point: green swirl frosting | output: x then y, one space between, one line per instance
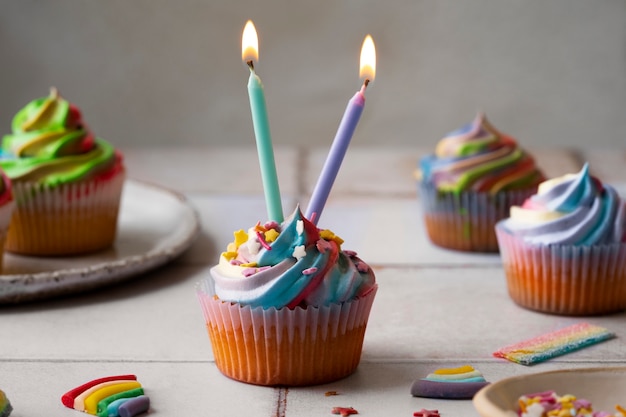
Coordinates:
51 145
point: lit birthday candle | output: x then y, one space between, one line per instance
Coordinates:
344 133
249 54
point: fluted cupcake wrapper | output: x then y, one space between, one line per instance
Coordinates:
6 211
290 347
465 221
66 219
564 279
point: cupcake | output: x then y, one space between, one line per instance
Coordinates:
66 182
6 210
475 175
564 249
287 306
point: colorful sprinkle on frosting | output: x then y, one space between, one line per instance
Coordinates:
479 158
112 396
289 264
550 404
550 345
51 144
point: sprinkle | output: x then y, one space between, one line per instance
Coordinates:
229 255
248 272
313 216
330 393
350 253
553 344
271 225
344 411
262 241
620 409
328 235
236 262
309 271
362 267
323 246
271 235
426 413
241 237
249 264
299 252
299 227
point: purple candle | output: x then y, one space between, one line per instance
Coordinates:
344 134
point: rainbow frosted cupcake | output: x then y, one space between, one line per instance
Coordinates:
67 183
475 175
564 249
286 306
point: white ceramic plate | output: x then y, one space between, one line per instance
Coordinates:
604 387
155 225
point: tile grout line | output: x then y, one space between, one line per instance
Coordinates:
280 395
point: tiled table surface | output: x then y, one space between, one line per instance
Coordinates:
435 308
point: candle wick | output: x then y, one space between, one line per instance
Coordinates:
251 65
365 84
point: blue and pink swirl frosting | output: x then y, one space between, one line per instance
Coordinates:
479 158
576 209
288 265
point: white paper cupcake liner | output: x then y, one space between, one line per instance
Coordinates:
466 220
564 279
300 346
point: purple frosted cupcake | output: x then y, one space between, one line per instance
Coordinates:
564 249
475 175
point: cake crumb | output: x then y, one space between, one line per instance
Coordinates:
330 393
344 411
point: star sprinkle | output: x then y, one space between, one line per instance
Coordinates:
329 235
241 237
271 235
299 252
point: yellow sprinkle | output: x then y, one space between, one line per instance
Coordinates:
522 406
451 371
229 255
249 265
240 237
271 235
328 235
620 409
568 398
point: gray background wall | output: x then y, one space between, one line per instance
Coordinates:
550 72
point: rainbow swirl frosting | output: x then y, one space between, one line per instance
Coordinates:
477 157
288 265
50 144
575 209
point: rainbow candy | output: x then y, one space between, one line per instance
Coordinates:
111 396
549 345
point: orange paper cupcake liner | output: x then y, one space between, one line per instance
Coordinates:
65 220
287 347
565 279
466 221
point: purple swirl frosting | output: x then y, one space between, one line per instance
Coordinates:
576 209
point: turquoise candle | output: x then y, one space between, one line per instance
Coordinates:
264 147
249 53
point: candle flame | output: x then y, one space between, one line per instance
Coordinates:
368 59
249 43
